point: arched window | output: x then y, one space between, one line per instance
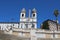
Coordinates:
26 25
21 25
33 15
18 25
22 15
33 25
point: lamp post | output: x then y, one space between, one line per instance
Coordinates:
56 15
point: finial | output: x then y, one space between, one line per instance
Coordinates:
23 10
34 10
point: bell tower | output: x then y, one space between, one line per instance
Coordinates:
34 13
23 12
34 18
22 18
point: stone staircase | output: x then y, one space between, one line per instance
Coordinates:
48 39
12 37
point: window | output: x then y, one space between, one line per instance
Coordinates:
21 25
33 15
26 25
33 25
18 25
22 15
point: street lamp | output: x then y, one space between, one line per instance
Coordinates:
56 15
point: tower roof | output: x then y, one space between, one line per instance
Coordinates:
34 10
23 10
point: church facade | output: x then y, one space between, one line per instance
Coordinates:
30 21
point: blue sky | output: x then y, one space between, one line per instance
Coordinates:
45 8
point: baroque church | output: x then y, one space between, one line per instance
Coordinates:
25 22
